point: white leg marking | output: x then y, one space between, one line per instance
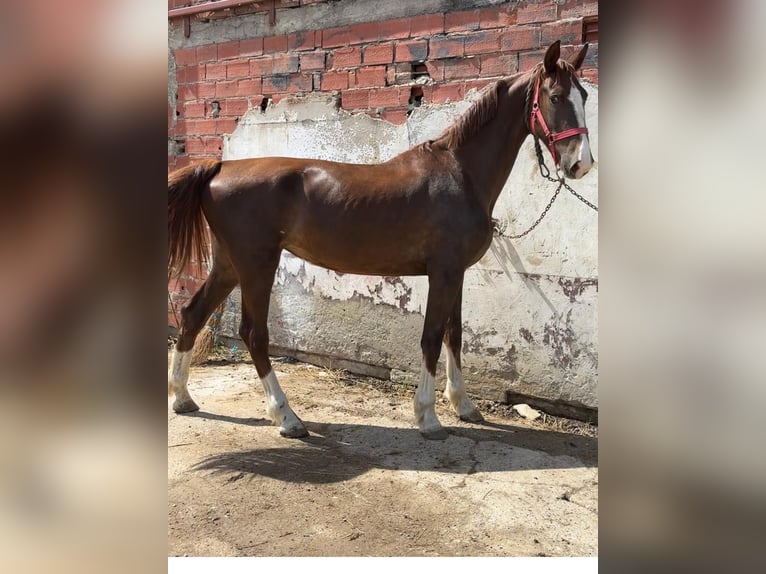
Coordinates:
425 414
455 393
177 379
279 410
584 155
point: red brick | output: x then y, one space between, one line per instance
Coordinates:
190 74
568 31
528 60
459 21
446 46
435 69
497 16
234 107
287 84
273 44
228 50
530 13
186 93
261 67
226 89
590 74
201 127
225 126
577 8
207 53
520 38
395 115
477 85
411 51
334 81
371 76
441 93
194 145
363 33
394 29
346 57
426 25
194 110
213 145
206 90
461 68
250 87
185 56
378 53
313 60
285 63
335 37
215 71
251 47
482 42
384 97
355 99
499 64
239 69
301 41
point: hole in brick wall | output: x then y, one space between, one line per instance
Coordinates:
215 109
180 145
416 96
264 104
416 99
419 70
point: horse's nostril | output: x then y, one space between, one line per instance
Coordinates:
575 167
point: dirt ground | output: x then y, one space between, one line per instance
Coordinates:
364 483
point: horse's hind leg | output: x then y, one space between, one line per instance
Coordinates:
454 391
256 290
219 283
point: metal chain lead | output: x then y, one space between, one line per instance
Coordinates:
546 173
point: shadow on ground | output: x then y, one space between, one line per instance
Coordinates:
338 452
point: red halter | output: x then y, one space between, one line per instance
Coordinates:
537 116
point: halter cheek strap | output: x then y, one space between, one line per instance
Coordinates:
551 138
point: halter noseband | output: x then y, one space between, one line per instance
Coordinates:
551 138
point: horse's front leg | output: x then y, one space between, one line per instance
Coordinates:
444 286
454 391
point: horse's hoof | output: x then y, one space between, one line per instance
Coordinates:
187 406
472 417
294 432
436 434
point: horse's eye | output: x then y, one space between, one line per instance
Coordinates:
554 99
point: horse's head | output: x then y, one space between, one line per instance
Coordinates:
557 111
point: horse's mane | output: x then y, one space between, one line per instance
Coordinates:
485 108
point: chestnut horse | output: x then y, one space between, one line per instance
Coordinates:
427 211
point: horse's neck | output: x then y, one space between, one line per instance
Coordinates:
488 157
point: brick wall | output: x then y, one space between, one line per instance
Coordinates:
376 67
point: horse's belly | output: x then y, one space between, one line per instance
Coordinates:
359 261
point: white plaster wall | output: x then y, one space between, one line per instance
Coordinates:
529 307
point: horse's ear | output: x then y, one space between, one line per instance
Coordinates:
552 57
578 58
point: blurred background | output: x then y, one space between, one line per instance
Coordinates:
83 285
82 333
682 306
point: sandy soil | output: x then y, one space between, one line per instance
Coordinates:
364 483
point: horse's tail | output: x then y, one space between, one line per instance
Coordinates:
186 221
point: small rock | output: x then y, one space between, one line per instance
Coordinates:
527 412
